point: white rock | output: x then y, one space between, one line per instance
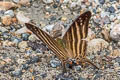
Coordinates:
103 14
24 2
91 34
73 5
22 18
66 1
112 17
96 45
23 45
5 5
48 28
20 61
3 29
9 12
16 1
54 29
23 30
47 1
6 20
115 32
7 43
33 38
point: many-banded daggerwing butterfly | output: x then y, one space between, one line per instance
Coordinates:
73 39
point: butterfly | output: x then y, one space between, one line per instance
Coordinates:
74 39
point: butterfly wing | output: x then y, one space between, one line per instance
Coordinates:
48 40
74 37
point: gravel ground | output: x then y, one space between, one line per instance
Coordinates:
24 57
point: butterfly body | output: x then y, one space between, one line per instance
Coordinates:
74 39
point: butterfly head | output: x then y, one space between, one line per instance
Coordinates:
71 62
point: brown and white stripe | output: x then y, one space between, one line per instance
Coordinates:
74 39
75 35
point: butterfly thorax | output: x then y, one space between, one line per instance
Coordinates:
74 62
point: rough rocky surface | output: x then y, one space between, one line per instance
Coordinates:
24 57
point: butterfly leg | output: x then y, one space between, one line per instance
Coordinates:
64 66
82 63
87 60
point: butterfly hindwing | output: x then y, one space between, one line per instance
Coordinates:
74 38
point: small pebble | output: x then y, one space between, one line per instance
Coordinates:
2 13
118 7
9 12
21 61
117 59
106 20
12 28
101 1
23 30
48 1
104 14
119 43
22 18
5 5
115 53
77 68
24 2
7 43
48 28
113 0
38 51
33 60
23 45
63 18
116 64
97 76
53 18
43 75
115 32
24 66
6 36
28 52
64 77
16 1
73 5
3 29
80 78
32 38
15 40
55 63
66 1
111 9
25 36
17 73
55 6
7 20
112 17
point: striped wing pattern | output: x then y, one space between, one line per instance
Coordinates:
74 37
49 41
74 40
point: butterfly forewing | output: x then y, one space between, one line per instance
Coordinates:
74 38
48 40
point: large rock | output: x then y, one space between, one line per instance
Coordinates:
96 45
115 33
